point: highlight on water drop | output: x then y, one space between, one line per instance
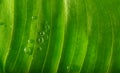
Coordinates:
25 50
68 67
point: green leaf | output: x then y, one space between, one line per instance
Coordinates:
59 36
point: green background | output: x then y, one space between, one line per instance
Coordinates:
59 36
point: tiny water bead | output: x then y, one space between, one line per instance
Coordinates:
47 27
30 41
25 49
1 49
28 50
40 40
68 68
34 17
42 33
39 48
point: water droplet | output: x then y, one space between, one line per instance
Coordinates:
46 37
42 33
40 40
68 68
28 50
34 17
47 27
39 48
30 41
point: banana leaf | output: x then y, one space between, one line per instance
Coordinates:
59 36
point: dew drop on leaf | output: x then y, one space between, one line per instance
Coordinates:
47 27
40 40
30 41
25 49
34 17
68 68
28 50
42 33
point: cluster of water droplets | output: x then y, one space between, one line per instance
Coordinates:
30 43
43 36
29 48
